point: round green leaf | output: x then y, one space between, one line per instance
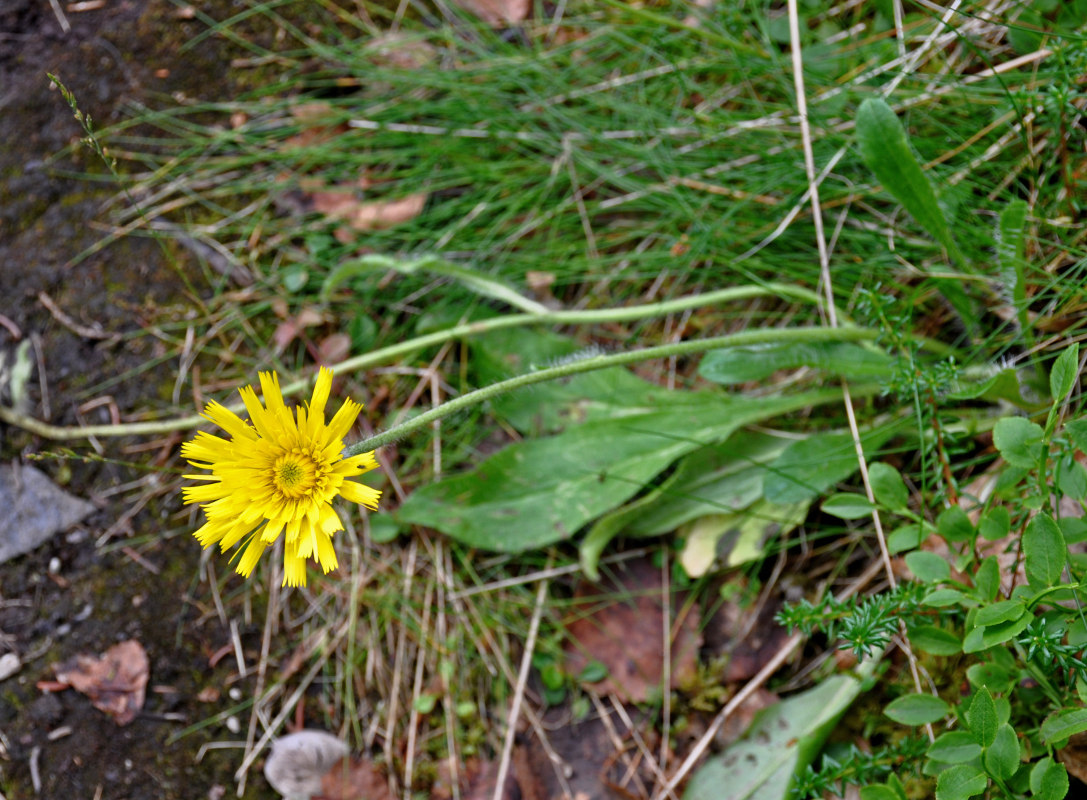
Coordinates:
928 567
960 781
954 747
1048 780
1019 440
937 641
1002 757
1060 726
888 487
847 506
917 709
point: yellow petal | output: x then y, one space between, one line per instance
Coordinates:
294 568
326 553
321 389
253 551
358 493
229 421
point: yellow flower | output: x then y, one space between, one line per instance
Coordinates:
277 474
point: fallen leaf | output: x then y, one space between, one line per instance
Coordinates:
477 781
369 216
35 508
116 681
1074 756
290 328
624 633
334 349
354 779
499 12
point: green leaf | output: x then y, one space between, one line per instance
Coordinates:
1019 440
753 363
960 781
954 747
783 739
1044 552
1064 373
1063 725
1076 430
1002 757
549 407
540 491
1011 246
383 528
906 537
878 791
718 478
996 677
1071 478
941 598
954 525
985 637
928 567
1002 611
887 486
594 672
934 640
917 709
987 580
982 718
809 467
1048 780
887 153
471 279
734 539
995 524
847 506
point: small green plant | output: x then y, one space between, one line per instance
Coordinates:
1005 604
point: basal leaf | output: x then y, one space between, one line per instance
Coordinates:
540 491
887 153
809 467
783 739
743 364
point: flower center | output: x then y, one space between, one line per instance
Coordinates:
294 474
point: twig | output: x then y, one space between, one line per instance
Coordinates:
519 691
828 287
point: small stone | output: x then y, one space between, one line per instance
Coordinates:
233 725
9 665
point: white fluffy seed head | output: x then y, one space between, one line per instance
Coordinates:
299 760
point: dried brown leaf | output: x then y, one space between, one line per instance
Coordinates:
499 12
116 681
352 779
624 631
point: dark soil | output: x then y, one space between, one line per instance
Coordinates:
72 595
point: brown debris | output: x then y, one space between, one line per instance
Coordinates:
620 624
116 681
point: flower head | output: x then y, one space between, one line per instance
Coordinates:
277 474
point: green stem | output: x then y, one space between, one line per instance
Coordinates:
773 335
61 433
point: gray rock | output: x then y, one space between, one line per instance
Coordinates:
34 508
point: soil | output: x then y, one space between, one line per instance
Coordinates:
77 594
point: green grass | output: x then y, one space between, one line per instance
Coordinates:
629 156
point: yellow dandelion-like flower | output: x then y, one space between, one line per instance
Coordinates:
277 474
